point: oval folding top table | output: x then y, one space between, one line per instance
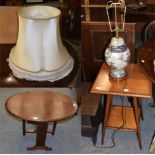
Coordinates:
41 107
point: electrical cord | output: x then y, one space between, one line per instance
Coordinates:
123 113
82 146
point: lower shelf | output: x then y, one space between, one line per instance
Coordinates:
118 113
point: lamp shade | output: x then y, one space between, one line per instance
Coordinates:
39 53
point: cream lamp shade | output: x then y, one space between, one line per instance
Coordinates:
39 53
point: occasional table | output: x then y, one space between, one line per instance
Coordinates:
145 14
141 17
8 80
145 58
41 107
136 85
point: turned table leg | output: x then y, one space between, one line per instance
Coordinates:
54 127
153 96
41 137
104 124
137 119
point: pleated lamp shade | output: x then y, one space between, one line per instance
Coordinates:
39 53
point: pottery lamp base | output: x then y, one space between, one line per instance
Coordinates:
118 74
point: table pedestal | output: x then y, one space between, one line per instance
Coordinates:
41 137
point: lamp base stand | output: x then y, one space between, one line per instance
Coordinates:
117 74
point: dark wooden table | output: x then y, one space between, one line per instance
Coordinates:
141 15
8 80
145 58
41 107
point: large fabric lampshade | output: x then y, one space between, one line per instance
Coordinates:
39 53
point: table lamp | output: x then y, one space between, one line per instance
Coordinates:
117 54
39 53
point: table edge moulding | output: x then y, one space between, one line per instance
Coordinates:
104 85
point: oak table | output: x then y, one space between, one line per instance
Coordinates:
41 107
136 85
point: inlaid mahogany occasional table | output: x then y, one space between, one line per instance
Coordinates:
136 85
41 107
145 59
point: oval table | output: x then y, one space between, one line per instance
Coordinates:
7 79
41 107
145 58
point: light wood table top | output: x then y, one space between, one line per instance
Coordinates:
136 84
41 107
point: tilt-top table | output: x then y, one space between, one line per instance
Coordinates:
41 107
145 59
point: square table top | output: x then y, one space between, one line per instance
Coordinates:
135 84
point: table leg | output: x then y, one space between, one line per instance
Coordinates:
141 109
153 95
24 127
41 137
152 145
104 124
137 119
54 127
